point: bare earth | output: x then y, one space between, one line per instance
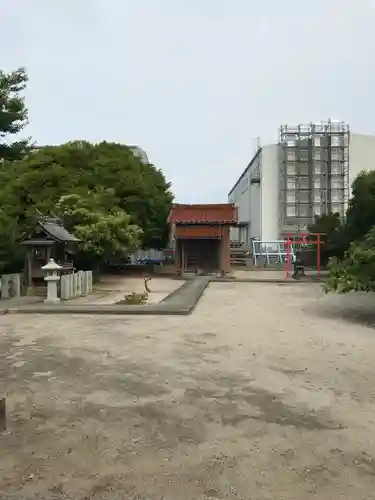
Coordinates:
265 392
112 289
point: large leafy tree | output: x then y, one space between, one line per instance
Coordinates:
13 114
325 224
354 269
104 230
360 217
328 226
137 190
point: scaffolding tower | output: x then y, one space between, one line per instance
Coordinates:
314 173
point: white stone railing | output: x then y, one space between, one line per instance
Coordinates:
10 286
75 285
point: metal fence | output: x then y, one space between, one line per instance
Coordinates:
145 256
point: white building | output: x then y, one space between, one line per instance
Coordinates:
310 171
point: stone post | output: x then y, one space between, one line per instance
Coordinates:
74 285
70 285
84 283
89 281
15 285
64 287
79 283
5 286
52 278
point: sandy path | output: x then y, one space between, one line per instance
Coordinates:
113 289
264 392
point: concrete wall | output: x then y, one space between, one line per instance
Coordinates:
255 228
270 193
361 155
240 197
258 203
246 197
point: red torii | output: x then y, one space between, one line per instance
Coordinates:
302 239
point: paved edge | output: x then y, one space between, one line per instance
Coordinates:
180 302
270 280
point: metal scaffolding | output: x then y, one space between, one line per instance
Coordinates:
314 173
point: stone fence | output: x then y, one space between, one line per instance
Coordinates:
10 286
71 285
75 285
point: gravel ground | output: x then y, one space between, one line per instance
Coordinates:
265 392
112 289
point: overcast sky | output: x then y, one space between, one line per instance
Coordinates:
193 82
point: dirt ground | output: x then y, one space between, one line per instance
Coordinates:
112 289
265 392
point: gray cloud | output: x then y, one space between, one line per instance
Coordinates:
193 82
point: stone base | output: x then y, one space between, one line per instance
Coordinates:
52 301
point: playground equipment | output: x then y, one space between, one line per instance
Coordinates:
283 252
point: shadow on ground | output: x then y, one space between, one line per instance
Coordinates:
356 308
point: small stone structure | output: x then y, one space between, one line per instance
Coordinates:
71 285
52 278
10 286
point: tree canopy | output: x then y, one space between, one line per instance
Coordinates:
104 229
108 197
13 114
354 267
356 270
327 225
360 216
106 179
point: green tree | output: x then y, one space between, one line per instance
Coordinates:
141 190
11 254
325 224
356 271
13 114
360 216
104 230
354 268
328 225
37 183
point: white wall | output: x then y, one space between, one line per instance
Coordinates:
247 198
240 197
270 193
255 229
361 155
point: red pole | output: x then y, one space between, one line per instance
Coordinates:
318 254
287 260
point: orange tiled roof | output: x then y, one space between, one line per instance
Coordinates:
220 213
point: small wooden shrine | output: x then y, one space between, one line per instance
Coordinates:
50 240
200 236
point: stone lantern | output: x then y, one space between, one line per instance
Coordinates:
52 278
